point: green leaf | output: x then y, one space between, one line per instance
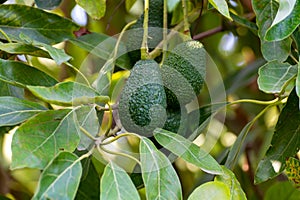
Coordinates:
228 177
103 82
9 90
60 179
129 4
17 73
285 142
87 119
282 190
172 4
58 55
40 139
244 22
20 48
95 9
274 75
265 11
187 151
43 26
286 27
14 111
67 94
160 178
116 184
221 6
103 46
211 191
48 5
285 8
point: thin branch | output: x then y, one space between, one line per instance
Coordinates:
208 33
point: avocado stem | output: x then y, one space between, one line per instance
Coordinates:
186 23
165 31
144 48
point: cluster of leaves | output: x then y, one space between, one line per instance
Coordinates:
62 125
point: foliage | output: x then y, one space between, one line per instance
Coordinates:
61 84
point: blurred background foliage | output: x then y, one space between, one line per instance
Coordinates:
234 49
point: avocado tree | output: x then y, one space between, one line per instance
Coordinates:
149 99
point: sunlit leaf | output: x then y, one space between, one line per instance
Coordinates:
285 8
211 191
172 4
43 26
160 178
58 55
20 48
40 139
17 73
60 179
96 9
221 6
49 5
14 111
282 190
285 142
129 4
116 184
286 27
274 75
67 93
187 151
265 11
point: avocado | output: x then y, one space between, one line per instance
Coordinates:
183 71
143 100
176 120
155 31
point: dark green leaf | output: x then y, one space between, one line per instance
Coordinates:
9 90
244 22
18 73
48 5
282 190
116 184
274 75
286 27
103 46
14 111
40 139
96 9
285 142
221 6
211 191
43 26
20 48
160 178
88 120
60 179
228 177
67 94
265 11
187 151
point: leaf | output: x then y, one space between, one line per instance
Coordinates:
60 179
87 119
285 8
244 22
43 26
292 171
221 6
17 73
40 139
116 184
14 111
282 190
274 75
58 55
96 9
129 4
265 11
172 4
103 46
286 27
48 5
67 94
160 178
211 191
103 82
9 90
228 177
20 48
187 151
285 142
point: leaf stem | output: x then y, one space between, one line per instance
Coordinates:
117 137
144 48
294 59
87 133
254 101
5 35
99 148
110 119
79 72
186 19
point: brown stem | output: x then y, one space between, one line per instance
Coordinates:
208 33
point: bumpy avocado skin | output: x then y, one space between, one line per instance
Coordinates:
176 121
143 100
187 60
155 31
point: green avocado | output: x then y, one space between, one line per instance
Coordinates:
176 121
143 100
183 72
155 31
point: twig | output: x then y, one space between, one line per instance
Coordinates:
144 48
208 33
